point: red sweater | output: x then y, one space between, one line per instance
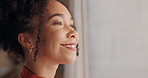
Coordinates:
26 73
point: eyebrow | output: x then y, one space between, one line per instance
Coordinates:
60 15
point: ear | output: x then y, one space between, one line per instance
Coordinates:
25 40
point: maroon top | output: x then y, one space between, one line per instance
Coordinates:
26 73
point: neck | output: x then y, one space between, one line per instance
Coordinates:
42 68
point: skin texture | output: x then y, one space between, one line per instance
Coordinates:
57 31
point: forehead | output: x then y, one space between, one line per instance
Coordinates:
55 7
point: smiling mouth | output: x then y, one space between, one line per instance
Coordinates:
70 46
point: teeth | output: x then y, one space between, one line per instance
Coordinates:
69 45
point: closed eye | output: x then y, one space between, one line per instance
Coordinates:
73 27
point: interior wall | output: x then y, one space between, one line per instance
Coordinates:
118 38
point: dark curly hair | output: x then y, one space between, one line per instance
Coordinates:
13 20
14 15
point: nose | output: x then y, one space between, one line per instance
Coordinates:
72 33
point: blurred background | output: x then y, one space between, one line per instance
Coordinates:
113 40
118 38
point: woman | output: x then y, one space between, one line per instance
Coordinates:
41 31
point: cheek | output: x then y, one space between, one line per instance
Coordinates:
54 37
52 40
52 50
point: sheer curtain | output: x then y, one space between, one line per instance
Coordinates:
80 68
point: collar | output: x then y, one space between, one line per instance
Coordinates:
26 73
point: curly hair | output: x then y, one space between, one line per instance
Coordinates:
13 20
14 15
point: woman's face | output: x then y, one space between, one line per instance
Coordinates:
59 38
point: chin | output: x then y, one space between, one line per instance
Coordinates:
69 61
